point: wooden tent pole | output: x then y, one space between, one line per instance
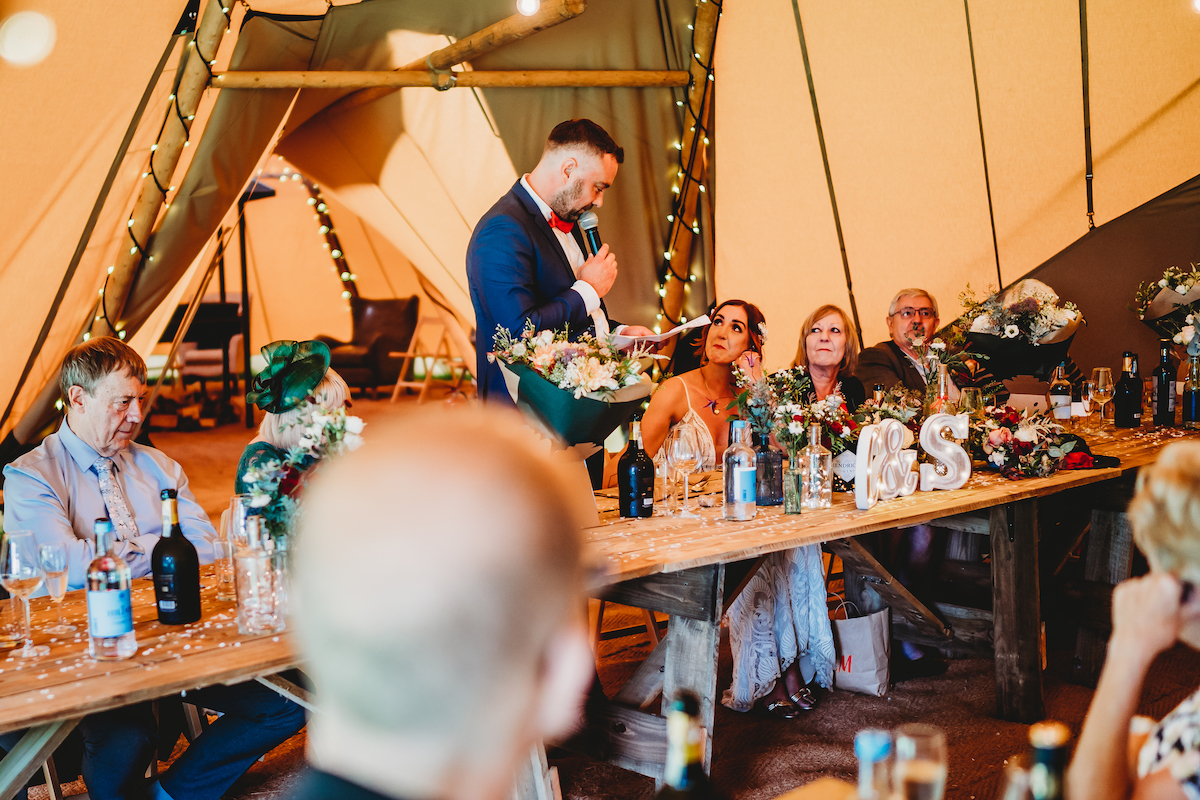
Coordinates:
165 155
495 80
506 31
700 98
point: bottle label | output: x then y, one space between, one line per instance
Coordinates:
844 465
648 501
1061 403
110 613
744 479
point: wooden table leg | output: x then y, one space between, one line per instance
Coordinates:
1016 606
1109 561
27 757
691 662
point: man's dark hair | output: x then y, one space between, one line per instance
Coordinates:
585 133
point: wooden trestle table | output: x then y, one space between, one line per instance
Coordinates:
49 695
691 568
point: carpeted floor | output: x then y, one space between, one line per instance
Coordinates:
754 758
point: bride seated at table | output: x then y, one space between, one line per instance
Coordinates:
780 619
699 399
295 372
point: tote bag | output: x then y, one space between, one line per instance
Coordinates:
863 645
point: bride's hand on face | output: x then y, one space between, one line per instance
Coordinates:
750 363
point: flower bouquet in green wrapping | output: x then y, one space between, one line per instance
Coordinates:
575 392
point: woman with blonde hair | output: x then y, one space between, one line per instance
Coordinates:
296 372
1120 756
828 349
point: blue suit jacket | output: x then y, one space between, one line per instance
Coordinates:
517 271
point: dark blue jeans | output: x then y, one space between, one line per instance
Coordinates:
119 744
254 721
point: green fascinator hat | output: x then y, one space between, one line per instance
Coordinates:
292 373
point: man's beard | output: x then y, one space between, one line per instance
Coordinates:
564 200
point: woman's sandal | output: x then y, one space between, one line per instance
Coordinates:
781 709
804 699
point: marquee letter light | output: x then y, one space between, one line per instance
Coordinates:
884 468
951 467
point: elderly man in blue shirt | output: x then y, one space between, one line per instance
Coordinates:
92 468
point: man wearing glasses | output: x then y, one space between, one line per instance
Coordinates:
912 316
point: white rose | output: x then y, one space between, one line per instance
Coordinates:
1188 332
1177 338
834 400
982 324
1070 314
997 458
260 501
1189 319
518 349
1025 434
354 425
1163 283
352 441
1181 289
1011 332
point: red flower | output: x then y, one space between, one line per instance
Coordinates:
1077 459
290 482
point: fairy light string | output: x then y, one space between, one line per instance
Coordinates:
694 123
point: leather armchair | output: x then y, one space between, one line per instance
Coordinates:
378 327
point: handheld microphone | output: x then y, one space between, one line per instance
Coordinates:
589 223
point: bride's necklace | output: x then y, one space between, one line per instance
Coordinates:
708 392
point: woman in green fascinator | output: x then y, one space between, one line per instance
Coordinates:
296 372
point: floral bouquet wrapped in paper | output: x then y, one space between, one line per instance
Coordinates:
1168 304
575 392
275 485
1024 330
1024 445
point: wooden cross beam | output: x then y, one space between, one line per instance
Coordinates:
506 31
412 78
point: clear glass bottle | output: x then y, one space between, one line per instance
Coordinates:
769 491
741 473
110 611
1058 395
1191 394
872 748
816 472
937 394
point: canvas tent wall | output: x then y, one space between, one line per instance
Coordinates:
905 143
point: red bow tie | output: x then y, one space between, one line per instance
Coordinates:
561 224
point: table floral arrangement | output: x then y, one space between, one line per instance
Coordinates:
1023 445
1024 330
964 366
898 403
576 391
1168 304
275 486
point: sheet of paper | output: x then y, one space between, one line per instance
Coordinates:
625 341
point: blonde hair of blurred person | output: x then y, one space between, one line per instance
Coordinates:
1149 617
440 606
284 431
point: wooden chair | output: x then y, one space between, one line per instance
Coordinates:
453 339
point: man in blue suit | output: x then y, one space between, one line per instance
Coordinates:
526 259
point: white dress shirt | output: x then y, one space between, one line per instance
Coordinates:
54 492
575 258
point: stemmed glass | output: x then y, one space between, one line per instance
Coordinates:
53 559
1102 389
683 454
21 575
1087 390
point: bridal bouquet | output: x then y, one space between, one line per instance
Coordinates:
1020 444
1167 305
1029 310
575 391
274 486
1024 330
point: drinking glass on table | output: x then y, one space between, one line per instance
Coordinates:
1086 390
683 454
223 564
53 559
919 771
1102 389
239 509
21 575
970 402
665 501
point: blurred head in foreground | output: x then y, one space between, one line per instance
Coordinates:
440 606
1165 515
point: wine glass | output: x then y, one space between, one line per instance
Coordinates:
53 560
919 771
683 451
21 575
1102 391
1087 389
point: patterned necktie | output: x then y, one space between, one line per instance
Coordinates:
123 525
